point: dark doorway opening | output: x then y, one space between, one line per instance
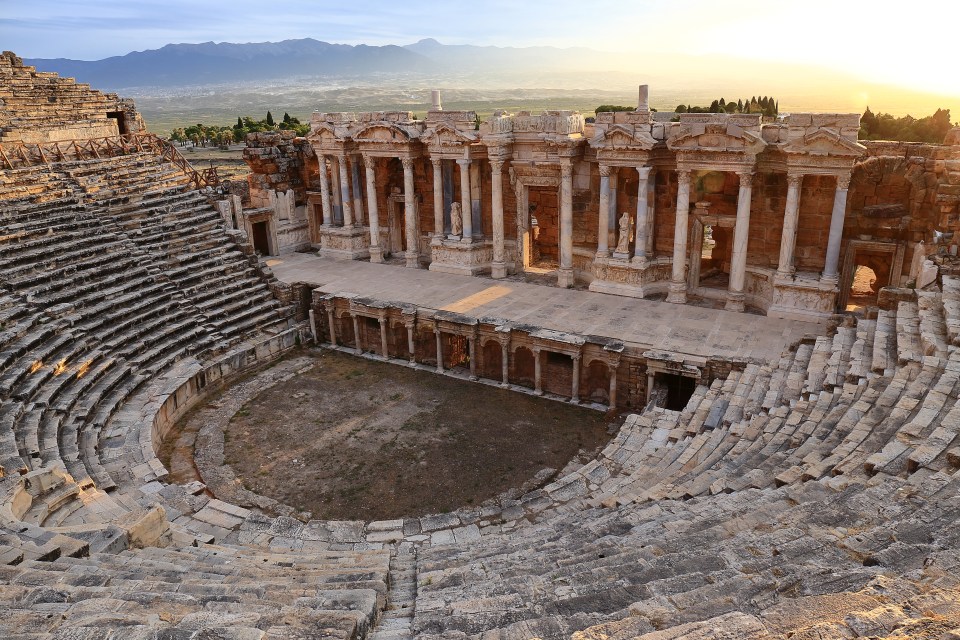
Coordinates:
261 240
121 121
679 389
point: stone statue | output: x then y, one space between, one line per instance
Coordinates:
456 220
624 241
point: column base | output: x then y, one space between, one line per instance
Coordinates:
565 277
677 293
832 281
617 255
735 301
498 270
641 261
413 259
574 400
376 255
538 392
504 385
603 253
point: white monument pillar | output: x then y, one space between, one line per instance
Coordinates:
499 266
788 238
741 237
678 282
603 218
410 215
437 200
565 274
640 242
370 165
345 199
325 192
466 203
830 275
435 104
643 98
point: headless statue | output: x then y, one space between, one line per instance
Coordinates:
624 241
456 219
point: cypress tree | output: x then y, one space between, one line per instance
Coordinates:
269 119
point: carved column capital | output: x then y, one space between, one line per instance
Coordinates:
683 175
566 168
644 172
464 162
605 170
407 163
368 161
794 180
496 165
436 162
746 179
843 182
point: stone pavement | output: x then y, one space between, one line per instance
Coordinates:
685 329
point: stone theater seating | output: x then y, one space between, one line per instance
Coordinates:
810 497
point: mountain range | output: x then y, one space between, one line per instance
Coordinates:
224 62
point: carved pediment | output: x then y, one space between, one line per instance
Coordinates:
714 137
623 137
324 133
824 142
447 136
382 132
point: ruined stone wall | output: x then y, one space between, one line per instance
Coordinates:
37 106
279 161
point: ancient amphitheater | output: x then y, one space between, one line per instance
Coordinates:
784 472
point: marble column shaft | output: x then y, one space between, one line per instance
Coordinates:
504 364
466 203
741 238
537 373
640 242
565 277
788 238
437 199
325 192
439 351
410 214
836 230
499 266
603 218
384 323
575 385
370 165
678 283
345 199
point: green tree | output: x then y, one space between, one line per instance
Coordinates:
680 108
269 119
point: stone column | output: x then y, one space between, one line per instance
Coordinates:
575 386
345 199
741 237
325 192
650 382
613 383
651 211
640 242
437 200
504 364
436 332
499 266
788 238
678 282
603 217
384 323
565 274
830 275
313 326
335 193
376 251
472 346
411 344
331 323
466 203
356 332
355 189
612 226
537 376
410 215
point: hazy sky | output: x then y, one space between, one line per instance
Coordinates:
911 44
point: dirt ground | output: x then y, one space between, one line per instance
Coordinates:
359 439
